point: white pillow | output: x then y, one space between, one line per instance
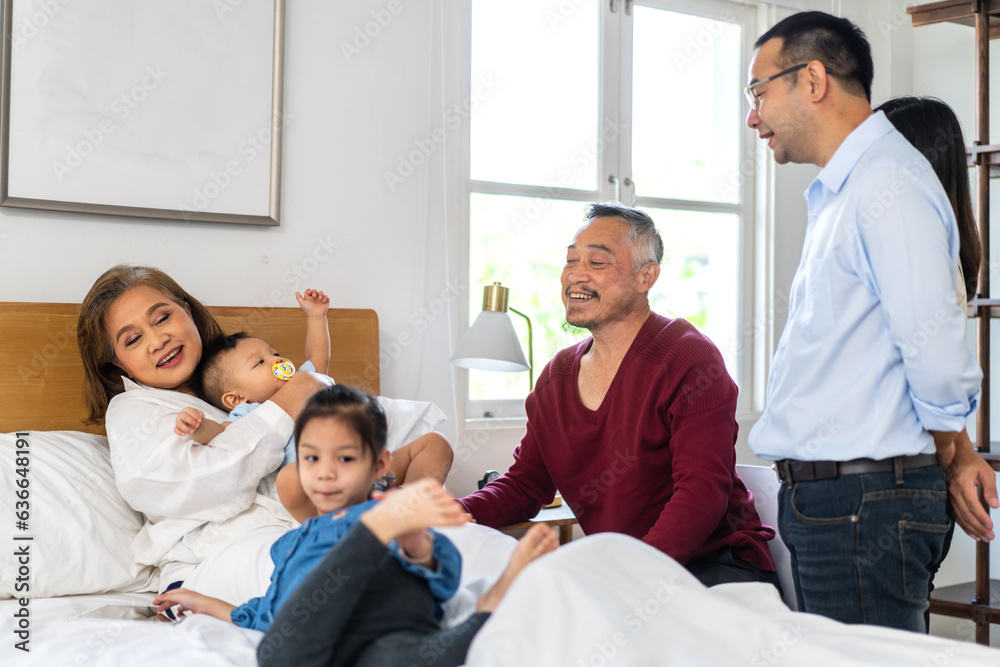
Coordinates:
408 420
81 528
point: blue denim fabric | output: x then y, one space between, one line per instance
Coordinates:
865 547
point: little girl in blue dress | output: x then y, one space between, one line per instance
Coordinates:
363 583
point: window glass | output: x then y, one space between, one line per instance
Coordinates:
686 113
536 69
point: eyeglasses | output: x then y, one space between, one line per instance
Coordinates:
753 99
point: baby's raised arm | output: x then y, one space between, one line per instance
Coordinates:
192 421
315 304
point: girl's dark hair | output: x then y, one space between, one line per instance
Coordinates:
361 412
933 128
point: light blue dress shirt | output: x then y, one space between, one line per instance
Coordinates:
873 355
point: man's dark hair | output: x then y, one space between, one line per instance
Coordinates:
836 42
647 246
359 411
206 382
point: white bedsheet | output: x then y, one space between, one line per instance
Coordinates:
612 600
602 600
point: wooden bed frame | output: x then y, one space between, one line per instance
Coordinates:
42 388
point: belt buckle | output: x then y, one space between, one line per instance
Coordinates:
784 472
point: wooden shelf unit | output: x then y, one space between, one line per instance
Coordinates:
979 600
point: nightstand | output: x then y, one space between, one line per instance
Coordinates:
560 517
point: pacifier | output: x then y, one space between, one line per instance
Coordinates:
283 370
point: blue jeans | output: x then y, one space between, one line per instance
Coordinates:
865 547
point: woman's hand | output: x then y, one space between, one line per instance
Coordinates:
293 396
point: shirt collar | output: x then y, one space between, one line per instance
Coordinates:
846 156
132 385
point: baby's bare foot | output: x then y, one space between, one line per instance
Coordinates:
420 505
538 541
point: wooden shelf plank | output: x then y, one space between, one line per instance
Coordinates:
957 601
983 307
993 457
954 11
990 153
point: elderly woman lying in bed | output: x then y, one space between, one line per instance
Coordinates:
141 337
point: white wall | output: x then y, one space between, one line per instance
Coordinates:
346 123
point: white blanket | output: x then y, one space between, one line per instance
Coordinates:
612 600
602 600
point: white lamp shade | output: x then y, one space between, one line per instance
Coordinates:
491 344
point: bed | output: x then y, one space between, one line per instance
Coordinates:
600 600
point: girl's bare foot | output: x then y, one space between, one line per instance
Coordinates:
419 505
538 541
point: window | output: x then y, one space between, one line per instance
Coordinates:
642 103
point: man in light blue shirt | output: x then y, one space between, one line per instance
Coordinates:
872 377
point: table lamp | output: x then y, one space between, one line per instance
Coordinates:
491 344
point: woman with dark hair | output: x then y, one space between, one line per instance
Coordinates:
141 337
932 127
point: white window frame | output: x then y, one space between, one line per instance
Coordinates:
755 336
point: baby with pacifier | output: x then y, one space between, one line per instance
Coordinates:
238 373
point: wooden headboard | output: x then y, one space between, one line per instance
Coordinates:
42 388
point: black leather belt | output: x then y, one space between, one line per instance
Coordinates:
791 471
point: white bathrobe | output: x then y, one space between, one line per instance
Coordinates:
201 499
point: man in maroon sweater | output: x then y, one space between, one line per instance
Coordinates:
635 426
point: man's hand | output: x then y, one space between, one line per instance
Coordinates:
313 302
944 444
967 473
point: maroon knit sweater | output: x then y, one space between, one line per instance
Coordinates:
655 461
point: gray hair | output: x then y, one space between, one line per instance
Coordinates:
645 241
